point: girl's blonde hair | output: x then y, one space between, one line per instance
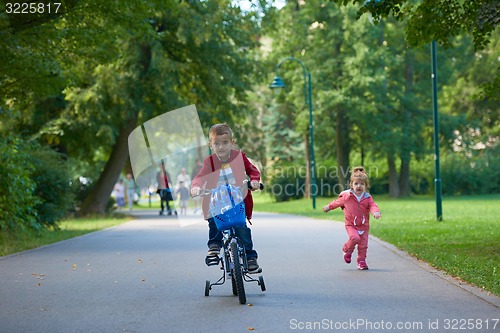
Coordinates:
359 173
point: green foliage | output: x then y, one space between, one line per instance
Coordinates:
53 188
111 64
17 199
35 187
287 184
438 20
476 174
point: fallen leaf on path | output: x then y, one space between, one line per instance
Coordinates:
251 329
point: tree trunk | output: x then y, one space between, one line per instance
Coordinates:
404 177
97 199
393 177
343 148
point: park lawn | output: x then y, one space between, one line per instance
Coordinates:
466 244
70 228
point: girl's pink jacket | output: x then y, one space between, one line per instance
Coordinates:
241 167
356 214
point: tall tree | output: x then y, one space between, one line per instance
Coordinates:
316 32
203 51
119 65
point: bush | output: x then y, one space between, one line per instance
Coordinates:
477 174
289 183
287 188
35 186
17 200
52 186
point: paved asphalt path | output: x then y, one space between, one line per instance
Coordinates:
148 275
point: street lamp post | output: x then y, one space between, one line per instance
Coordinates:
437 180
278 83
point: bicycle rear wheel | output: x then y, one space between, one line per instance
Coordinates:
237 272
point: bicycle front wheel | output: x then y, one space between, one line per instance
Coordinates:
237 272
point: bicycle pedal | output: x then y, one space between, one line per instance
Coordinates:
212 261
257 271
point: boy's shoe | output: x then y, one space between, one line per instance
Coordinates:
253 266
213 250
362 265
347 257
212 257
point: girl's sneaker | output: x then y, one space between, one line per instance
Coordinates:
347 257
362 265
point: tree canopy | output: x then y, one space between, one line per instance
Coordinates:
438 20
74 84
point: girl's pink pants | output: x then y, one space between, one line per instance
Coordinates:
356 239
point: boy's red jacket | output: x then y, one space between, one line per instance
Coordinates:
241 167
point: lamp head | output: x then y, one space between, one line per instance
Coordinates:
277 83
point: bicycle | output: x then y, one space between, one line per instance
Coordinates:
228 210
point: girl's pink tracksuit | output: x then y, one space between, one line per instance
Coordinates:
356 218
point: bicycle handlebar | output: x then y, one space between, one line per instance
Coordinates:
205 192
261 186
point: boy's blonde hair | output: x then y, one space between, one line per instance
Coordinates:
359 173
220 129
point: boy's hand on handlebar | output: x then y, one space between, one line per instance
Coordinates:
255 184
326 209
195 191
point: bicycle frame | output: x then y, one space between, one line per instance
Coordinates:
226 264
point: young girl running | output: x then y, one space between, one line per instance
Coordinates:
357 205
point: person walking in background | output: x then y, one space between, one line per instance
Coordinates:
130 190
357 205
163 179
120 194
183 194
183 177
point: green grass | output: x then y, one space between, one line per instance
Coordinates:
466 244
13 243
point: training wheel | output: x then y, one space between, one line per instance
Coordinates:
262 284
207 288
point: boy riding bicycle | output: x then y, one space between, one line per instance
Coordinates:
227 165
